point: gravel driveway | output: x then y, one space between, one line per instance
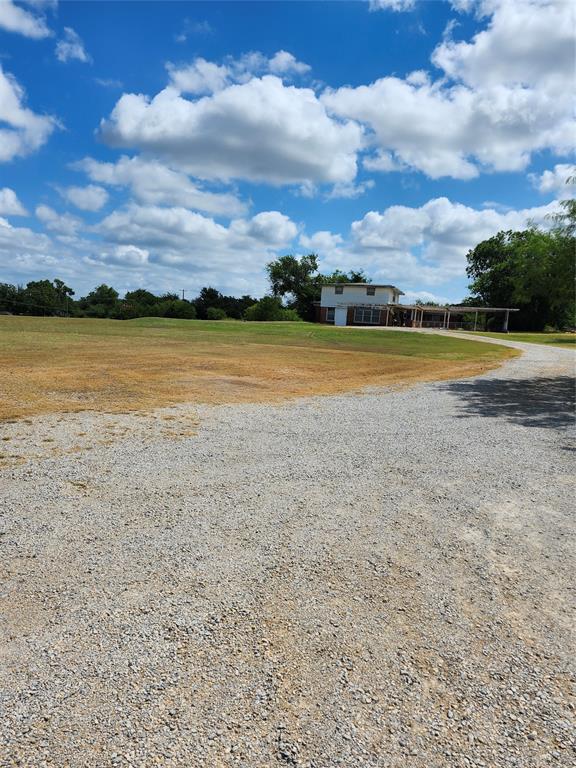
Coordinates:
384 579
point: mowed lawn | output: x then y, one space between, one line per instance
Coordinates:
52 365
556 339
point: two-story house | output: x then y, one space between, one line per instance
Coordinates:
357 303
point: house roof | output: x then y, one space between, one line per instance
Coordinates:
371 285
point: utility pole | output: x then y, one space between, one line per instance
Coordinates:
183 292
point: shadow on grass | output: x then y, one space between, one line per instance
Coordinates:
541 402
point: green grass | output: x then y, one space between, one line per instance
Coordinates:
234 332
555 339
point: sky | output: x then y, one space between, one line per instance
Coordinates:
173 145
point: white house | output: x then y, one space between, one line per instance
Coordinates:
369 304
357 303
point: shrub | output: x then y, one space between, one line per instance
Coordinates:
291 316
215 313
177 308
269 309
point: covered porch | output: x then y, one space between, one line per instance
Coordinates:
455 317
458 317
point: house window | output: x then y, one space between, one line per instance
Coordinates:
366 315
339 289
329 314
370 290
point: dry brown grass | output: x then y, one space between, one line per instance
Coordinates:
55 365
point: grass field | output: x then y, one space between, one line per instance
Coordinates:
52 365
556 339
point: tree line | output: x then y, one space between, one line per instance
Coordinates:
291 279
45 297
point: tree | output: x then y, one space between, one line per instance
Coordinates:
215 313
103 294
298 280
231 305
208 297
354 276
531 270
40 297
9 297
101 302
62 290
141 296
270 308
178 308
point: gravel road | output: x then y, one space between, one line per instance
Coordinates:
383 579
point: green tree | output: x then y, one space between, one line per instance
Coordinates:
531 270
215 313
269 308
298 281
9 297
208 297
101 302
354 276
141 296
178 308
63 291
40 297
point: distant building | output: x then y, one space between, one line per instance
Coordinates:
369 304
356 303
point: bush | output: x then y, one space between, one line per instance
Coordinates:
215 313
177 308
269 309
290 315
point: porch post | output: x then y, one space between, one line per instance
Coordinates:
475 319
505 326
387 314
448 321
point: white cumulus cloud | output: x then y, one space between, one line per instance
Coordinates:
71 47
428 244
63 223
392 5
154 183
89 198
526 42
261 130
21 130
14 18
188 231
504 95
559 181
321 242
202 76
283 63
9 203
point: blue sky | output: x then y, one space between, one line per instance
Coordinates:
175 145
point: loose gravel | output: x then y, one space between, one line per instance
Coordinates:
379 579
